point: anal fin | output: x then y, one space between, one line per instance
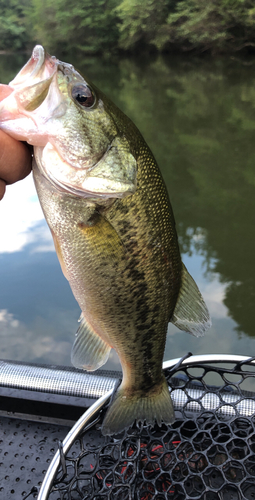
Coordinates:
190 313
89 350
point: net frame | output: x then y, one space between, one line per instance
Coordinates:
214 417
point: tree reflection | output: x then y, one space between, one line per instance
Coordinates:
198 116
199 119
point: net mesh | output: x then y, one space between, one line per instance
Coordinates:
208 453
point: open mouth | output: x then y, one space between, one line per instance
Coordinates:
41 66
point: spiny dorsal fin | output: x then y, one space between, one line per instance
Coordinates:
190 313
89 350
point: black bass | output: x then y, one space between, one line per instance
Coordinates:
113 228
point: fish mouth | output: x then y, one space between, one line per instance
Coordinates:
31 84
28 90
41 66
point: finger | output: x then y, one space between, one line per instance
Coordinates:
15 159
2 189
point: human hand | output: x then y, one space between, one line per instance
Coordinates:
15 157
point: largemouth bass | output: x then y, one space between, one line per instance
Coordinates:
107 207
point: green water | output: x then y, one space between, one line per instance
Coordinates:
198 117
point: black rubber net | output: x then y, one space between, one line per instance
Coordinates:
208 453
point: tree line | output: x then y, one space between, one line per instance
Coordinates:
109 26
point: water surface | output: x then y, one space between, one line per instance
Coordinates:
198 117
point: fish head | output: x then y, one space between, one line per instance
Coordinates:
79 145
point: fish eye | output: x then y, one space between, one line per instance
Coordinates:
83 95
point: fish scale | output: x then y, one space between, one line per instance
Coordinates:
106 204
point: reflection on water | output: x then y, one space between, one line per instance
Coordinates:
199 119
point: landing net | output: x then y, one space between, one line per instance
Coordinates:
208 453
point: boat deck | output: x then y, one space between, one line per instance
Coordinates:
32 422
27 448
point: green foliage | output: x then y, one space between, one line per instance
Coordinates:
68 25
141 21
212 24
107 26
13 32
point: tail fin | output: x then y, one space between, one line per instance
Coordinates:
154 405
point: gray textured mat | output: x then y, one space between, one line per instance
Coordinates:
26 449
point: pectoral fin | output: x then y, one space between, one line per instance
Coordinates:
102 239
190 313
59 254
89 350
